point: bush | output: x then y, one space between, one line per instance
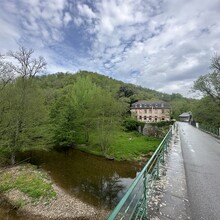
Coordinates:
132 125
162 123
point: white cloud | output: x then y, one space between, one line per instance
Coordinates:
163 45
84 10
67 18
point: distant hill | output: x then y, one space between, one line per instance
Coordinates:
127 91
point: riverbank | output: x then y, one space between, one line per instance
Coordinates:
51 203
130 146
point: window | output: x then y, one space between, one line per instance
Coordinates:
140 117
145 111
156 118
155 110
163 119
150 118
162 110
150 110
145 117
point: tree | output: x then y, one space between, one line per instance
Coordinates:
63 119
179 106
83 109
207 111
27 67
209 84
108 119
21 100
6 73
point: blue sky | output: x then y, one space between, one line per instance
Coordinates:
159 44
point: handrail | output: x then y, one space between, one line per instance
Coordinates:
210 129
149 173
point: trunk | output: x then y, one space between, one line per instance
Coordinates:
86 136
13 158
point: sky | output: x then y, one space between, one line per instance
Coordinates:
163 45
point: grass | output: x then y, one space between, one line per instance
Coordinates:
28 180
125 146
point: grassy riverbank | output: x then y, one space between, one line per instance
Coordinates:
31 184
125 146
32 193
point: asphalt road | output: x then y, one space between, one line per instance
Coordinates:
201 154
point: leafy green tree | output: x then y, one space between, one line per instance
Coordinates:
63 119
207 111
82 109
108 120
178 106
21 102
209 84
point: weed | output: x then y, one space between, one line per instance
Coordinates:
29 181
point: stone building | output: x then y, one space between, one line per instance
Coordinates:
151 111
185 117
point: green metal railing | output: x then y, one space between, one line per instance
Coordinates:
134 203
209 129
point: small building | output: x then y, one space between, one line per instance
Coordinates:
185 117
151 111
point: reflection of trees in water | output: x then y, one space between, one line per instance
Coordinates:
94 180
105 192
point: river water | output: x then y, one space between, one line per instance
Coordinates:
94 180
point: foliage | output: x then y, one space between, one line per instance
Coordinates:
83 108
131 124
209 84
162 124
126 146
22 116
180 105
207 111
21 103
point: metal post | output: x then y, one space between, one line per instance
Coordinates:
158 168
163 155
145 194
166 145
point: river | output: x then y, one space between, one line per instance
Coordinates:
94 180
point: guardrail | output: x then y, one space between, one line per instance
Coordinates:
210 129
134 203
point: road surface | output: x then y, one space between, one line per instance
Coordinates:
201 154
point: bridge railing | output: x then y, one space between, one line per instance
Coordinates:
210 129
134 203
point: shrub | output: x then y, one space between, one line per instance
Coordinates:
132 125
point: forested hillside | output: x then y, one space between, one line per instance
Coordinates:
74 109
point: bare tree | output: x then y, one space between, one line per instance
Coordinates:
6 72
27 66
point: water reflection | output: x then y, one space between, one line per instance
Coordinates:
94 180
105 192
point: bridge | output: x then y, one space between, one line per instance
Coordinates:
180 181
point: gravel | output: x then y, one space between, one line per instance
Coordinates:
62 207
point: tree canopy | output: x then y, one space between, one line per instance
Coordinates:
209 84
